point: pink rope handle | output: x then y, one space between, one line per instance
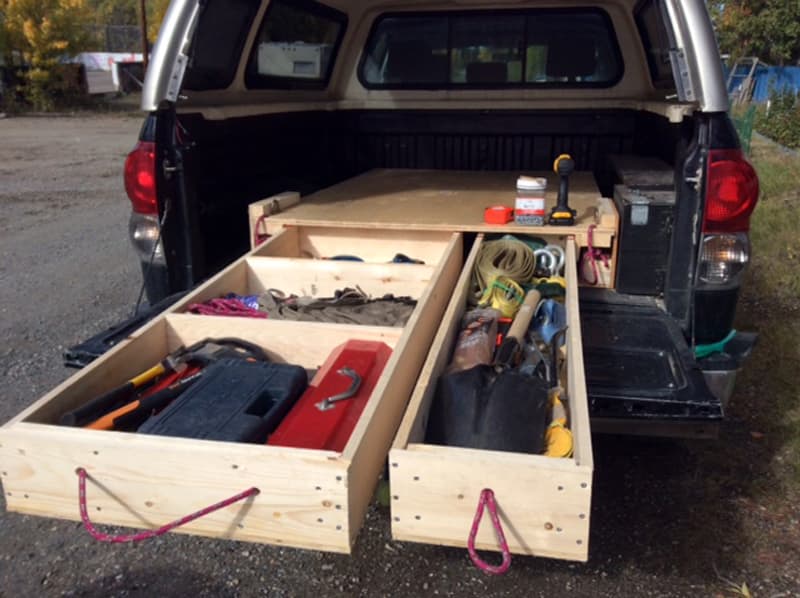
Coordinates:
592 254
147 534
259 237
225 307
487 500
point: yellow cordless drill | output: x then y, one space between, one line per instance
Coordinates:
562 214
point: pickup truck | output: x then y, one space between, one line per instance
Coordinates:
248 99
311 154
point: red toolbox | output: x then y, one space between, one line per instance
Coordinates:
324 417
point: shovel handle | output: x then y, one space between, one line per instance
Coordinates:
524 316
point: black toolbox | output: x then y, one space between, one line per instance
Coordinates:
646 217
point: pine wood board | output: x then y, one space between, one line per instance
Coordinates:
443 200
373 435
544 511
146 481
309 499
544 502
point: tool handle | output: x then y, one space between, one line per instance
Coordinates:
136 412
524 316
97 407
107 421
104 403
563 166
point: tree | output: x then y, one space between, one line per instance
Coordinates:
126 12
155 14
768 29
41 33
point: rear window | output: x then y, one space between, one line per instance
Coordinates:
651 21
480 49
218 43
296 45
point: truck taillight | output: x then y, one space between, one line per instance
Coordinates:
731 192
731 195
723 257
140 178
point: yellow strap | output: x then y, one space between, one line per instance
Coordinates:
504 295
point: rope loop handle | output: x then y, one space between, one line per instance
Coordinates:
258 236
147 534
487 500
592 255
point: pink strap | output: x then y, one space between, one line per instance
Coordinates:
225 307
147 534
487 500
258 236
593 254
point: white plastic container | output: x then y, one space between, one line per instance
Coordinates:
529 206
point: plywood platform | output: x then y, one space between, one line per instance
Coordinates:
442 200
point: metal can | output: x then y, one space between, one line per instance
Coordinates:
529 206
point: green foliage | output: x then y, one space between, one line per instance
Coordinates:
768 29
41 32
780 119
115 12
768 305
743 121
126 12
155 14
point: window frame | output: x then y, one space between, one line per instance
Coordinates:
660 80
450 85
229 77
255 81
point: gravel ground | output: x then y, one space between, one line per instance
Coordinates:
668 518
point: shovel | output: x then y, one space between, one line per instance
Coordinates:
493 407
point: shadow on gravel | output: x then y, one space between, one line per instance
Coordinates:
714 508
163 582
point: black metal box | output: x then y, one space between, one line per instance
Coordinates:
646 217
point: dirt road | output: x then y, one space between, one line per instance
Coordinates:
668 518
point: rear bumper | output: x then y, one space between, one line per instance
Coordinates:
664 428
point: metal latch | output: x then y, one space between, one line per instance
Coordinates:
682 75
168 169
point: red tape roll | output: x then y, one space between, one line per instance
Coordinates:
498 215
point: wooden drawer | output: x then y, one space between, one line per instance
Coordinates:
308 498
544 502
371 244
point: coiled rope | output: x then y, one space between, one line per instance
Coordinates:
509 258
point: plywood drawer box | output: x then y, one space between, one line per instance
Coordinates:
308 498
544 502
